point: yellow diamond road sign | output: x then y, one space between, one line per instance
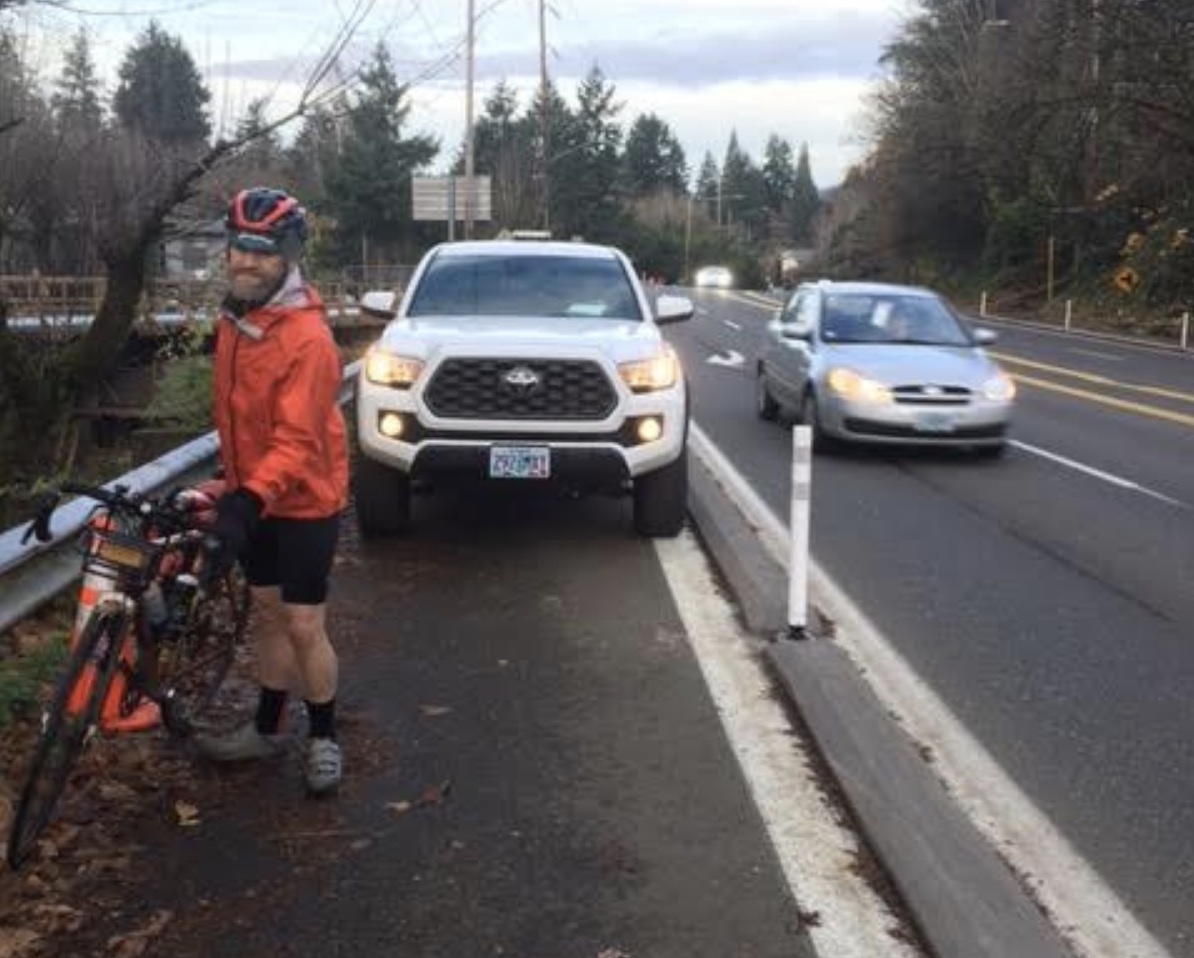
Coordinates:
1127 279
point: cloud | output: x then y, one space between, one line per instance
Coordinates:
831 47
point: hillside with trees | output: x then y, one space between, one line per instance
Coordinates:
1033 147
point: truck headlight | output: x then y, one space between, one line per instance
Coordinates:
648 375
387 369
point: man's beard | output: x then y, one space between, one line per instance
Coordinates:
255 287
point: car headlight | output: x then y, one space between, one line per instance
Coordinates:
387 369
647 375
1000 388
850 385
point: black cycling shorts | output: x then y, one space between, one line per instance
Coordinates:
294 554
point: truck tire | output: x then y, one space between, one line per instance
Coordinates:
382 497
661 499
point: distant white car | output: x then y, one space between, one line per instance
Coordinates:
510 361
715 277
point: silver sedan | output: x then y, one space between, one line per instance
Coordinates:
879 363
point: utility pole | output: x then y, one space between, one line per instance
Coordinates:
544 116
470 188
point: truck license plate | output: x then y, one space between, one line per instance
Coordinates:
519 462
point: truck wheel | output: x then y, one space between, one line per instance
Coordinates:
661 499
382 499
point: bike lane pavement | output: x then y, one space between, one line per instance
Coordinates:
534 769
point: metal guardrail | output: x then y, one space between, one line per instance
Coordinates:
32 574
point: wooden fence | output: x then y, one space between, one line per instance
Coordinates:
50 302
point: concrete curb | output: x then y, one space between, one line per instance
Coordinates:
965 901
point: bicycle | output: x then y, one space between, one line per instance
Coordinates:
157 629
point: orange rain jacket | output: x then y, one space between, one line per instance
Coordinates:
276 406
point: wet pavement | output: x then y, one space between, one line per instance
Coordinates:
534 769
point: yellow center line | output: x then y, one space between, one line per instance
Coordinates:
1094 378
1154 411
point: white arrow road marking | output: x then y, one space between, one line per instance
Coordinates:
731 358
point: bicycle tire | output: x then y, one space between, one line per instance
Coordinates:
193 665
66 728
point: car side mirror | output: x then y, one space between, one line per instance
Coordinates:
984 337
673 309
380 304
795 330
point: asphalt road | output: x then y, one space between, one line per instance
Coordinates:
535 769
1046 598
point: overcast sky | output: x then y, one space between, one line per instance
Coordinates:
796 68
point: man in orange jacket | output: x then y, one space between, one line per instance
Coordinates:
284 451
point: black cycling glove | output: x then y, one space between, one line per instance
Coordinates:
237 515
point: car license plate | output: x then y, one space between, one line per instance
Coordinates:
519 462
934 422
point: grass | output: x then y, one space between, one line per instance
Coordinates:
23 676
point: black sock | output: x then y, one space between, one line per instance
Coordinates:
269 710
323 719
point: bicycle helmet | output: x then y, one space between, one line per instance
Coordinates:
264 220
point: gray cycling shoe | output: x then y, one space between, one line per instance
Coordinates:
242 744
322 765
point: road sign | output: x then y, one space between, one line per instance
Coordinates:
444 198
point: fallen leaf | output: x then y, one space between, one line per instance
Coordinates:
15 942
133 945
116 792
188 814
436 794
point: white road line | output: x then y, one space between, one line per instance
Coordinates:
732 325
1099 474
818 856
1107 356
1083 908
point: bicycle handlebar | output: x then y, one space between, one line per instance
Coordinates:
168 509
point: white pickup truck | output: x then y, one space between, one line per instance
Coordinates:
529 362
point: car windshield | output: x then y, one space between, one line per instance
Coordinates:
909 320
557 286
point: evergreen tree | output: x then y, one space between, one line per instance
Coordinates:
708 184
369 188
653 160
553 122
585 170
161 95
779 173
806 200
315 152
76 98
743 196
504 147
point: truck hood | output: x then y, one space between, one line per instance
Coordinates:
513 335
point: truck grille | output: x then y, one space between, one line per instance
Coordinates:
479 388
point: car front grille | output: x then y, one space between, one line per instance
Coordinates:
552 389
867 427
931 395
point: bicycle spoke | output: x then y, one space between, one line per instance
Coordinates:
193 665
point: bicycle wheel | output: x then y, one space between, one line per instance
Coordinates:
193 664
67 726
